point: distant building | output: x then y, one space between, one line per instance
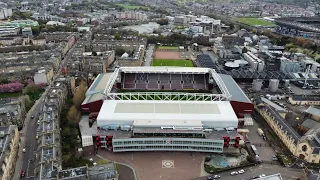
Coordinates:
180 20
5 13
135 60
20 23
9 140
97 64
231 40
13 111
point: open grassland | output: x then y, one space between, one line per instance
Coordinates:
254 21
173 62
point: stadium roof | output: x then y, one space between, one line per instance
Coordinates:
98 84
164 69
235 91
167 113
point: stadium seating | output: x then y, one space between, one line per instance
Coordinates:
154 81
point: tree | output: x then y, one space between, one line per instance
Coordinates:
244 50
74 115
117 36
119 51
79 96
11 87
163 21
35 31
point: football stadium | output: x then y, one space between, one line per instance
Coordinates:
163 109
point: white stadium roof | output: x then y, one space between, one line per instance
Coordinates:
217 114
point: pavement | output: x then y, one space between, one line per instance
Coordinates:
267 169
27 160
149 55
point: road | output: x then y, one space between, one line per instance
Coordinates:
27 161
149 55
31 143
267 169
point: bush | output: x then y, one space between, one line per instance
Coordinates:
207 159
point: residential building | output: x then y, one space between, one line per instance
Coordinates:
304 100
96 64
306 147
9 140
5 13
9 30
43 76
135 60
13 111
49 138
180 20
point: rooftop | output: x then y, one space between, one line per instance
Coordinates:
311 124
99 84
235 91
272 177
313 111
159 113
163 69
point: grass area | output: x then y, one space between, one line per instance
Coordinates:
8 95
169 47
254 21
131 7
102 161
176 62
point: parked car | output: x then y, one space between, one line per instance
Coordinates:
209 178
234 173
255 177
23 173
262 175
32 117
274 158
24 150
216 177
241 171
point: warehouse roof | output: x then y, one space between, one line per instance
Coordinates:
161 113
313 111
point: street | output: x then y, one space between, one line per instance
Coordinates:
267 169
149 55
27 160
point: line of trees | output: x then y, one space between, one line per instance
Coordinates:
70 118
11 87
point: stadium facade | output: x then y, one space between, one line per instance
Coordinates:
163 109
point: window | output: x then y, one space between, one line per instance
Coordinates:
304 148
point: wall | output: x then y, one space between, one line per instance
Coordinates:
92 107
241 108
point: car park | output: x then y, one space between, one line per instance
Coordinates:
241 171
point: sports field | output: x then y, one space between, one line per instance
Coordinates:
168 47
172 62
254 21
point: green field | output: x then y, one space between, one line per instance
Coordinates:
9 95
131 7
254 21
175 62
169 47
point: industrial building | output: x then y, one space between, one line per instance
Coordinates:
163 109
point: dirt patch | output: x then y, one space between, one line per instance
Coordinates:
167 55
160 165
